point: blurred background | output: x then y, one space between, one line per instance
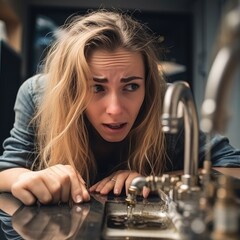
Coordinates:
187 29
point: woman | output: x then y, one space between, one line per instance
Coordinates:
93 118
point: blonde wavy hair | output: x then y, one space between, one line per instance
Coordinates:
61 123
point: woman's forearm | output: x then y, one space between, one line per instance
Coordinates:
9 176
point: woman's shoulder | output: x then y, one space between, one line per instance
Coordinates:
33 88
35 83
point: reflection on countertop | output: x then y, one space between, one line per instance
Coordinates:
79 221
82 221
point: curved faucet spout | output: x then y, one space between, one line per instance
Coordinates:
178 95
139 183
214 107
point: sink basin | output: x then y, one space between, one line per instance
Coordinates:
150 220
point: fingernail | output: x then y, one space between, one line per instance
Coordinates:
91 190
78 199
116 191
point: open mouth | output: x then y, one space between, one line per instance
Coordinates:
115 126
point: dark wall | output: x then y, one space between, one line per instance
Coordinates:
10 68
174 27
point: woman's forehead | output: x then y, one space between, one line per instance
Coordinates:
118 57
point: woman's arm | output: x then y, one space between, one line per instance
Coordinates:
51 185
10 176
19 147
223 154
58 183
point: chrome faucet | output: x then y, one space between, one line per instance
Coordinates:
214 107
220 78
178 104
162 184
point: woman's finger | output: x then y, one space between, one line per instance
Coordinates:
100 185
65 182
79 192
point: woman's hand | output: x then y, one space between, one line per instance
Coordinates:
116 182
59 183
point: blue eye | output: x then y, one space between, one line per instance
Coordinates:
132 87
98 88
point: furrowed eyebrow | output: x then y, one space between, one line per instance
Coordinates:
124 80
100 80
129 79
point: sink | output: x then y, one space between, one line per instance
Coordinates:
150 220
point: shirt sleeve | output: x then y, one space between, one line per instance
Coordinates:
19 147
222 153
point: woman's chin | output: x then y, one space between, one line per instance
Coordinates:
114 138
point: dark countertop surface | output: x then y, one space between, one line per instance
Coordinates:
79 221
82 221
47 222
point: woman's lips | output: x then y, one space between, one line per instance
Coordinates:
115 126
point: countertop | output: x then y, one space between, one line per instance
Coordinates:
233 172
79 221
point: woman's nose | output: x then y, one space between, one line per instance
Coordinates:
114 105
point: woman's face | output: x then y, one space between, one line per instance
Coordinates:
118 86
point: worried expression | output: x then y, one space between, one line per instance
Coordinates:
118 85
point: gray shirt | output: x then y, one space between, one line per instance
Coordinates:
20 152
